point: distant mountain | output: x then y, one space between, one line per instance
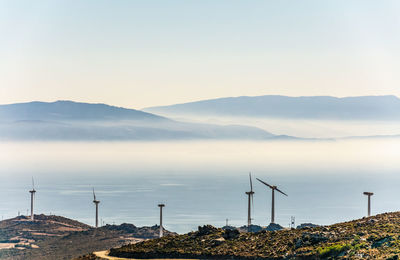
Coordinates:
273 106
69 110
42 130
370 137
67 120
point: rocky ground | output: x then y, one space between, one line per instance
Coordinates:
55 237
376 237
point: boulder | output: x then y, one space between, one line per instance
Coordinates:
306 225
231 234
206 230
273 227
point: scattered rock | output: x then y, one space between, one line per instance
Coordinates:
206 230
231 234
381 242
273 227
228 227
307 225
218 241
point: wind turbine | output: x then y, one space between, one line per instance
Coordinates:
96 202
161 226
369 194
273 188
250 203
32 192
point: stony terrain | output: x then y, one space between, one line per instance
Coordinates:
376 237
55 237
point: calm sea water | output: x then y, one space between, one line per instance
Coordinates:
201 182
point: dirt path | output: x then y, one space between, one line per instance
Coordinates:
104 254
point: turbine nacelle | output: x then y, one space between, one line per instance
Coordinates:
96 202
32 192
369 194
94 198
250 195
272 187
33 187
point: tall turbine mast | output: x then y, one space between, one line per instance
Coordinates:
161 225
273 188
32 192
96 202
369 194
250 203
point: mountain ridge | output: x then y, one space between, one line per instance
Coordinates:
111 123
71 110
279 106
69 120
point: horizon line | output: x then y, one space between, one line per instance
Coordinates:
193 101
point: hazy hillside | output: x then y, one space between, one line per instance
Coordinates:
66 120
69 110
317 107
49 236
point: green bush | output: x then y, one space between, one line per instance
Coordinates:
333 250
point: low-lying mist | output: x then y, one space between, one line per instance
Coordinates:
304 128
226 157
123 130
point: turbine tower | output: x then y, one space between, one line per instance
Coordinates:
96 202
250 203
273 188
32 192
369 194
161 226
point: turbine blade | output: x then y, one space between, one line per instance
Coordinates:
94 195
33 184
251 183
281 191
265 183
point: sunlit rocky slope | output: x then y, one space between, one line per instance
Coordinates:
376 237
55 237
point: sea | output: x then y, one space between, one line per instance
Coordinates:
201 182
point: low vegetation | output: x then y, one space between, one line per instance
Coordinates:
55 237
376 237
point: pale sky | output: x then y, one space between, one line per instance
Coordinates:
145 53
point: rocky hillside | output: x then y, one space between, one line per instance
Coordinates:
376 237
55 237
